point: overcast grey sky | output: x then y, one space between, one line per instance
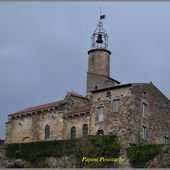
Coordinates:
43 48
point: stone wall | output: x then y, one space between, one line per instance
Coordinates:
77 122
162 160
54 120
157 118
27 127
21 129
114 122
127 123
96 81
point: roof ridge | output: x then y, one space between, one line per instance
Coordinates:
38 107
76 94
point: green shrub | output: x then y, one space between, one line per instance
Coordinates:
12 150
95 147
141 154
90 146
40 149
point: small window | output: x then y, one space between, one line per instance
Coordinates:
144 129
144 109
100 133
85 130
47 132
116 105
100 114
165 139
73 132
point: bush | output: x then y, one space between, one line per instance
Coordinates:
12 150
90 146
40 149
96 147
141 154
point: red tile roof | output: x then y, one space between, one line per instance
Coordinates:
76 95
81 109
39 107
48 105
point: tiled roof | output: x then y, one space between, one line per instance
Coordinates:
76 95
81 109
39 107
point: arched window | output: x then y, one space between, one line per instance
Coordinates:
85 130
101 114
73 132
47 132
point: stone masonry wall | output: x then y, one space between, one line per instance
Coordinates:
95 81
99 62
157 119
21 129
54 120
126 123
114 122
27 127
77 122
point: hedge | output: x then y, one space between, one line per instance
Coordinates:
91 146
95 147
141 154
33 150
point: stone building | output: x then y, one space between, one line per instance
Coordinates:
135 112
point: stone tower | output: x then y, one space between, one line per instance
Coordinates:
98 75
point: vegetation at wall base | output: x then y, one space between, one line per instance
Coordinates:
40 149
139 155
95 147
90 146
